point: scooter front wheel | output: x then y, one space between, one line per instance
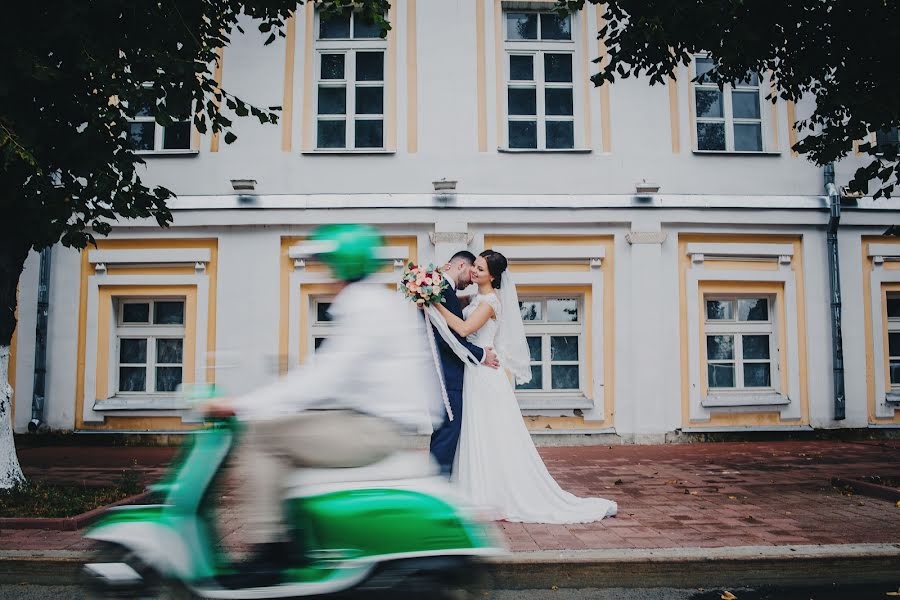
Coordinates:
444 578
116 572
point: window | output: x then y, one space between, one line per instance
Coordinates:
149 345
350 83
540 87
729 119
146 135
886 139
554 329
893 321
321 326
740 343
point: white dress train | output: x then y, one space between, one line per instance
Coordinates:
497 465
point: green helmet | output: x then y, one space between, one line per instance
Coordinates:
348 250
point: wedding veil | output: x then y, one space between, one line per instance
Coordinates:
510 343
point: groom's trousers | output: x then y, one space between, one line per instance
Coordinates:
445 440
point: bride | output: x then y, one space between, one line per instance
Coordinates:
496 463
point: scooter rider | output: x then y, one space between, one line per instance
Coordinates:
349 405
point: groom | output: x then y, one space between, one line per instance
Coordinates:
458 274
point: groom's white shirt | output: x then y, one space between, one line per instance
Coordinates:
374 361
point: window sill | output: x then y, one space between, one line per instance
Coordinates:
744 398
551 401
892 397
142 403
544 151
738 152
166 153
348 151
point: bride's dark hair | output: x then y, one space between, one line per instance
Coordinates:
496 264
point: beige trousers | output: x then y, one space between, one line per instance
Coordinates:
315 439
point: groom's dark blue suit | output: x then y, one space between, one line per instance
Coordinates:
445 439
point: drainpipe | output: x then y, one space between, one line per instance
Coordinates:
834 269
40 343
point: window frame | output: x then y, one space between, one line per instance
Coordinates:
537 48
738 329
317 328
349 47
159 133
728 119
151 332
892 325
546 330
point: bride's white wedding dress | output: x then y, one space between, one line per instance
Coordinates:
497 465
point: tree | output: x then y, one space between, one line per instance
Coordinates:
836 51
72 75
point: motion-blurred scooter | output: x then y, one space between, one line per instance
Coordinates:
394 528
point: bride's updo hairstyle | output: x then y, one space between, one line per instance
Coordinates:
496 264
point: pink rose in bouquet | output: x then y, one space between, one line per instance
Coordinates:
423 285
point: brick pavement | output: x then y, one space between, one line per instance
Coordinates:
685 495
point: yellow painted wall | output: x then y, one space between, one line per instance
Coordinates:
868 266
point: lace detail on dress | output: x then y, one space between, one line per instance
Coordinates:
484 336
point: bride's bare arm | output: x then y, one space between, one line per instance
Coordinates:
465 327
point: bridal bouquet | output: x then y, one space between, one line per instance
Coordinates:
424 286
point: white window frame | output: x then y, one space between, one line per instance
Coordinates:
727 117
317 328
159 133
888 137
151 332
893 326
349 47
738 329
547 329
537 48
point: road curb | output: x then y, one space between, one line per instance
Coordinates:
625 568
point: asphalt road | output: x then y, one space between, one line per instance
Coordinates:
37 592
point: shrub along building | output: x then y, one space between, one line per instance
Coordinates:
672 253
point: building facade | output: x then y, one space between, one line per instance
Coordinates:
670 250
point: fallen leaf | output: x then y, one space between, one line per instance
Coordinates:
898 503
695 493
554 588
728 596
618 482
732 497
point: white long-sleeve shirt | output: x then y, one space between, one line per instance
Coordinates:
375 361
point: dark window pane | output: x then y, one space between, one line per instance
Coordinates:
756 347
132 379
558 101
558 68
370 66
709 103
753 309
369 100
169 351
704 65
564 347
560 134
537 379
885 138
894 344
521 26
757 375
369 133
132 351
719 310
745 105
893 307
555 27
318 342
530 309
168 312
748 137
562 310
720 347
720 376
534 347
332 100
521 68
141 135
522 101
145 109
564 377
332 66
895 372
177 136
331 134
136 312
751 79
322 314
168 378
363 29
710 136
522 134
334 26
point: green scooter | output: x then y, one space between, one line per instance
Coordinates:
395 528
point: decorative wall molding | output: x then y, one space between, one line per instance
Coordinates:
460 238
700 252
886 399
646 237
196 257
593 255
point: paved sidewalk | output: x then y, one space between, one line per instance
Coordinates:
711 495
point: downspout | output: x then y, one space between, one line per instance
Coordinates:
834 279
40 343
